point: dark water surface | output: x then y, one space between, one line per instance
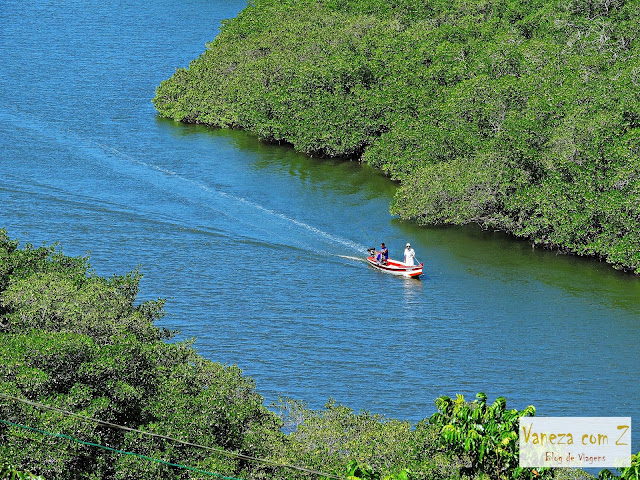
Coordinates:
258 250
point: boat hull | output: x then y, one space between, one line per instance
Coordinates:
395 267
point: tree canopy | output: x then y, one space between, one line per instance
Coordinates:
91 389
519 115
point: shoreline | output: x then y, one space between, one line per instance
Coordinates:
508 149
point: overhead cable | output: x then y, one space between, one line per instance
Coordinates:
91 444
164 437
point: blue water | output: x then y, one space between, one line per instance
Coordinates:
258 250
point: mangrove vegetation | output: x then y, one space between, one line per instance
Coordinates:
92 388
518 115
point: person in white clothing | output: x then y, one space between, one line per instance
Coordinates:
409 255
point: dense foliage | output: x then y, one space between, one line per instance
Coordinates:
75 347
521 115
488 434
363 445
7 472
77 342
631 472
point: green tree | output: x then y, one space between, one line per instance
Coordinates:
518 115
487 434
626 473
79 343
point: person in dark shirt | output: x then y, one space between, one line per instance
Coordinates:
383 254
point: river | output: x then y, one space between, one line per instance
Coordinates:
259 250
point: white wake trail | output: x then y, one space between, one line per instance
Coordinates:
358 259
321 233
100 151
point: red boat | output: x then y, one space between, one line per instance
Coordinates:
396 267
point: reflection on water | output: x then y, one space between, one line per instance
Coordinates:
497 256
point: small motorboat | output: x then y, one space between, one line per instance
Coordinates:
394 267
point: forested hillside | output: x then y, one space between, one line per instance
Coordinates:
520 115
76 343
91 389
84 371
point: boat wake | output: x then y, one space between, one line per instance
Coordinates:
195 191
215 189
357 259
